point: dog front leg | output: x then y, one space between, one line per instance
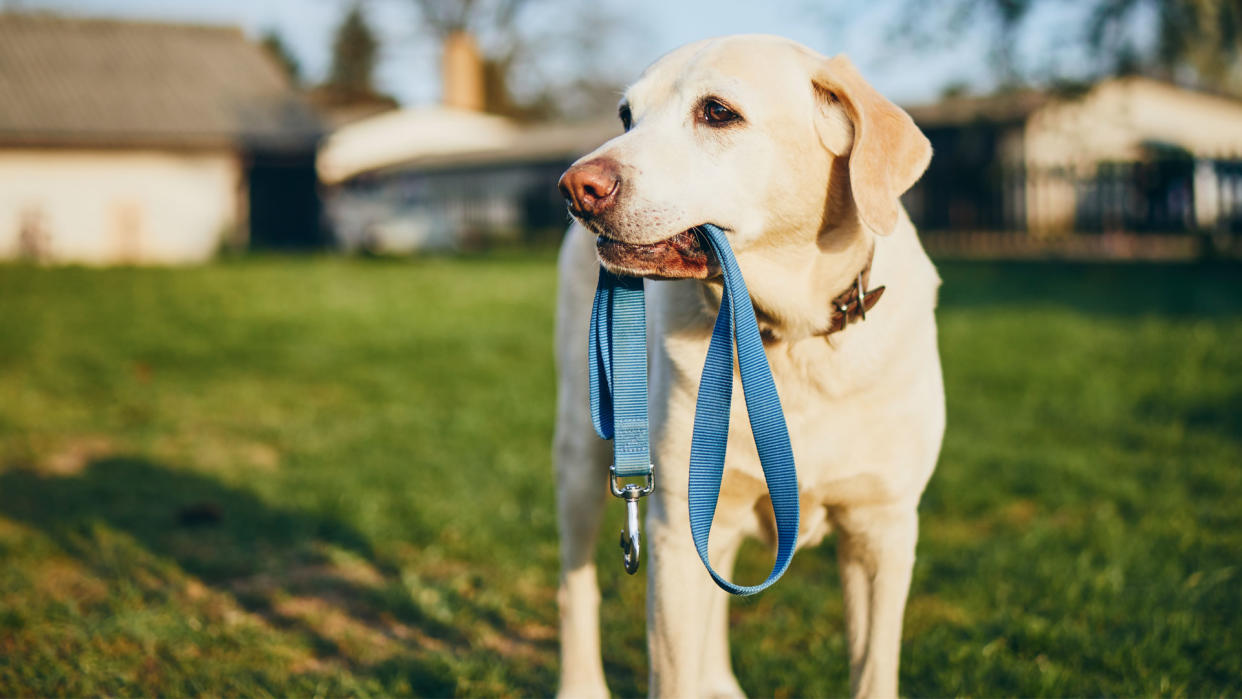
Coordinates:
678 601
718 679
876 555
582 471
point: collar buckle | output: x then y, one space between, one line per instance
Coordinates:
862 297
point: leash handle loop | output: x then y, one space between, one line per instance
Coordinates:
736 323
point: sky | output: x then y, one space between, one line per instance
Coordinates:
408 60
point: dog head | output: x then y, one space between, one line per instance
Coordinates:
758 135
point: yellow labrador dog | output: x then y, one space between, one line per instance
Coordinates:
801 162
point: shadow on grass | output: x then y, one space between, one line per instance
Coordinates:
1176 290
301 572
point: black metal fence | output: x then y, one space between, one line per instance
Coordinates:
1158 196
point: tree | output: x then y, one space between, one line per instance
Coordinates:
353 55
1195 41
1203 37
479 17
492 23
281 53
560 64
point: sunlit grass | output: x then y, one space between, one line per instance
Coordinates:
302 476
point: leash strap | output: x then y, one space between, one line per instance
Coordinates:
617 353
618 391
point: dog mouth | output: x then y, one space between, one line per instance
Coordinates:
682 256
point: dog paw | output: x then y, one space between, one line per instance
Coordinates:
583 691
724 688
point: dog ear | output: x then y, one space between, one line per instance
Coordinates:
889 153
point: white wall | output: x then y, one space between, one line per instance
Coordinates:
1115 118
113 206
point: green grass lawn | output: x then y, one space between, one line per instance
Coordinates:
326 476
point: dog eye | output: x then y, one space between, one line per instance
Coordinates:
626 118
716 114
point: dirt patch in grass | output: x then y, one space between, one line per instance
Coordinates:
71 455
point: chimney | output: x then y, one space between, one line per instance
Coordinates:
462 72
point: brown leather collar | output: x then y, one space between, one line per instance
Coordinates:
848 306
853 303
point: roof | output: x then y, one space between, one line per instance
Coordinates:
959 111
533 144
71 81
441 137
1011 106
407 134
337 107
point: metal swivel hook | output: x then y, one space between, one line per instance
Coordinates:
630 536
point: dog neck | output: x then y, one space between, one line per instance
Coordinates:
798 290
852 304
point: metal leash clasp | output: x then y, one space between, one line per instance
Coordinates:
630 536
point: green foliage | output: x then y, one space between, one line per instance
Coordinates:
354 52
280 52
1196 39
1204 36
324 476
566 69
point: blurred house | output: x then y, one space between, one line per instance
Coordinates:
1124 155
140 142
440 178
450 176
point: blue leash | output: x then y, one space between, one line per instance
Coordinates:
617 359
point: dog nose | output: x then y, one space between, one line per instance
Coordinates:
591 187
